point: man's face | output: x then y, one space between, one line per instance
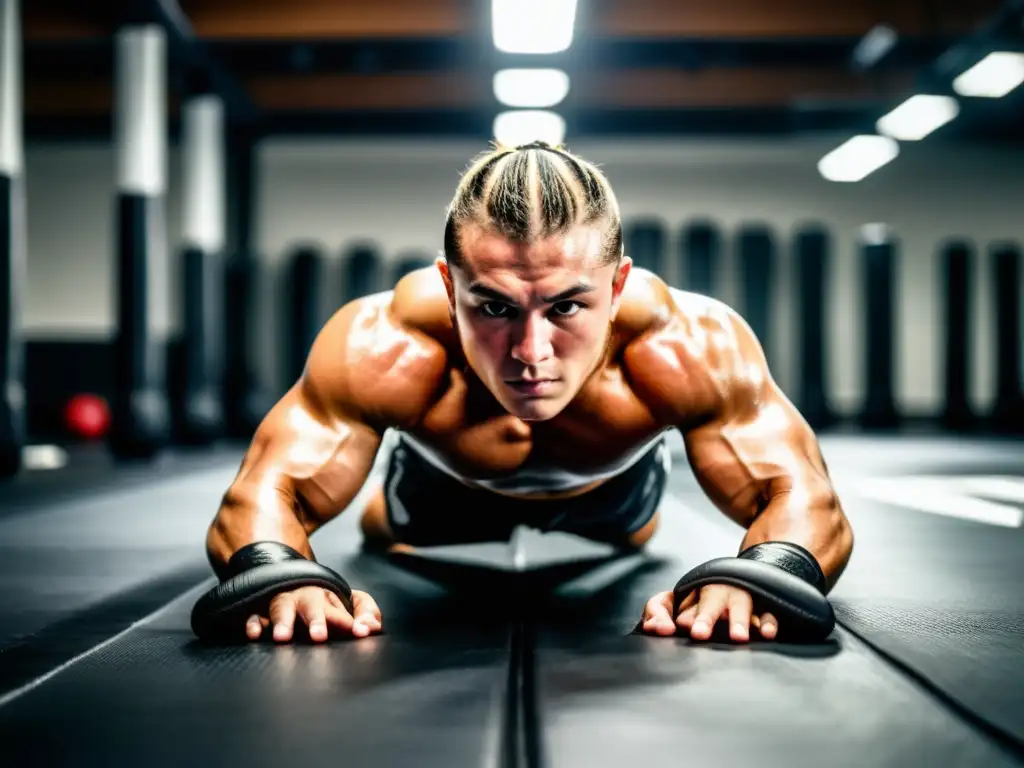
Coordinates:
533 318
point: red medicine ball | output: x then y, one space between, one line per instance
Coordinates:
87 416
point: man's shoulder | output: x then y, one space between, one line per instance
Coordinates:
698 341
650 307
420 304
381 355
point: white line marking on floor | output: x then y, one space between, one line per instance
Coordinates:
11 695
950 496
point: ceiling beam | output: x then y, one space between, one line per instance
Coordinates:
199 66
784 18
60 98
730 87
312 93
433 54
321 19
630 89
61 20
331 19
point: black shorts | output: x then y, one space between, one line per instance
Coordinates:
427 507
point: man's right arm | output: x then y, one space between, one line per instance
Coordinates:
315 448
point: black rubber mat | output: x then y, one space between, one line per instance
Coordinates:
38 654
941 599
483 666
67 557
91 469
945 598
608 697
429 692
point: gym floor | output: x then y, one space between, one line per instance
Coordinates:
521 653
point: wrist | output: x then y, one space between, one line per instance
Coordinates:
790 557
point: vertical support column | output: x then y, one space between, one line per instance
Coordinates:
362 269
140 419
701 244
200 414
1007 413
757 256
957 262
304 307
241 182
645 244
12 243
246 399
811 257
878 289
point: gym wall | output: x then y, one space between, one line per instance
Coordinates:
332 191
393 194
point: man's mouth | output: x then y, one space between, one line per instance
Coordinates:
532 387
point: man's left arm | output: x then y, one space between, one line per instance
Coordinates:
759 462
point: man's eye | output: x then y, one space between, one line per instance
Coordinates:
567 308
496 309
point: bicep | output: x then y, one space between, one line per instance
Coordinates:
307 458
364 374
314 449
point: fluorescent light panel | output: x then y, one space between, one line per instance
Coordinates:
531 88
993 77
858 158
918 116
533 26
526 126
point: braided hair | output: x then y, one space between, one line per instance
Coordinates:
530 192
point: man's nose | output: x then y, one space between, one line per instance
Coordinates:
534 343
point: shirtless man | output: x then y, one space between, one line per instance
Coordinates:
531 377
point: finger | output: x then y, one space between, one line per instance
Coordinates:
769 626
311 610
740 607
686 618
282 617
713 601
657 616
367 613
690 600
254 627
338 618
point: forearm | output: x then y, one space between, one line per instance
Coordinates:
812 518
246 516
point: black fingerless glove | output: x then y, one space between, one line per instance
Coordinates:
783 578
253 576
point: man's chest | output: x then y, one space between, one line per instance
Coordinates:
603 426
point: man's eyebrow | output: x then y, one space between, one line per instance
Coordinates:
486 292
570 293
483 291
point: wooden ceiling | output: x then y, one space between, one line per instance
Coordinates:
307 60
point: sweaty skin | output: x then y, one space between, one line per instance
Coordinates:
671 359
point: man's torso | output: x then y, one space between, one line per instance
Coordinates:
615 418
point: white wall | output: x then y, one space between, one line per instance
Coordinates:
72 266
395 193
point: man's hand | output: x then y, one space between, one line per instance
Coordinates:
700 611
321 611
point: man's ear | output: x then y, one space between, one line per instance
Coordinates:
449 283
619 283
